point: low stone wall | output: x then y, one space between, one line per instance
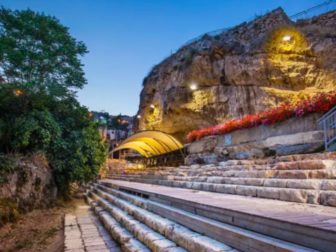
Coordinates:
30 185
294 136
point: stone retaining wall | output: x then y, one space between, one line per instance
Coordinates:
294 136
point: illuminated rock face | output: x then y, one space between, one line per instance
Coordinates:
244 70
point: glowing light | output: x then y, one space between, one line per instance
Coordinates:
152 106
286 38
138 116
193 86
18 92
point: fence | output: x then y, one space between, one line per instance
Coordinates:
328 124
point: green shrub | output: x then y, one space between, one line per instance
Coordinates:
7 166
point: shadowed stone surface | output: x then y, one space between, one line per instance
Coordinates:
83 232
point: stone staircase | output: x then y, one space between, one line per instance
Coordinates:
306 178
276 204
139 222
137 229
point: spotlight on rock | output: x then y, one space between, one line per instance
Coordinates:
286 38
193 87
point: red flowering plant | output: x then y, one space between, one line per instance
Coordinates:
319 103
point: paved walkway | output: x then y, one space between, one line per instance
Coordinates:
315 216
84 233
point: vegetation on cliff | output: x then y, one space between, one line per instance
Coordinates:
320 103
40 71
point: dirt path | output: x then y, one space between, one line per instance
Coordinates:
39 230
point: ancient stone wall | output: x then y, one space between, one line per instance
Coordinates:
244 70
294 136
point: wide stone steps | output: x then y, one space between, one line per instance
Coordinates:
143 238
182 236
118 233
321 173
180 229
269 190
309 225
314 184
299 178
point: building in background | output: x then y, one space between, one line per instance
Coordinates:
113 129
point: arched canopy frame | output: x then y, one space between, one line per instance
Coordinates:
150 143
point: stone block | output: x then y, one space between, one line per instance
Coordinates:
96 248
160 245
216 180
196 186
70 220
180 235
303 184
246 191
205 244
275 183
73 243
253 181
133 246
269 193
328 185
328 198
299 196
161 225
230 189
120 234
206 144
293 174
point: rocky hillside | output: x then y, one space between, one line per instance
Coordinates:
243 70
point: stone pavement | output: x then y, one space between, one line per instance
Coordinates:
84 233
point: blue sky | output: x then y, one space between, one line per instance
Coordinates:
127 37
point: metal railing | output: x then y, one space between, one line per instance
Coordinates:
328 124
323 7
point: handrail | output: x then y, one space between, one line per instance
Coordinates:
327 114
328 123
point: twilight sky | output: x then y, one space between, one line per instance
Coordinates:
127 37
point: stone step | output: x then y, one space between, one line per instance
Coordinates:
118 233
296 162
329 173
153 240
313 184
197 169
190 240
182 236
308 225
327 198
242 165
83 232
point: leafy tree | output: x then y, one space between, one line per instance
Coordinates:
37 50
40 69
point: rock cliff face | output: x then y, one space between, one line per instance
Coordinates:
243 70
